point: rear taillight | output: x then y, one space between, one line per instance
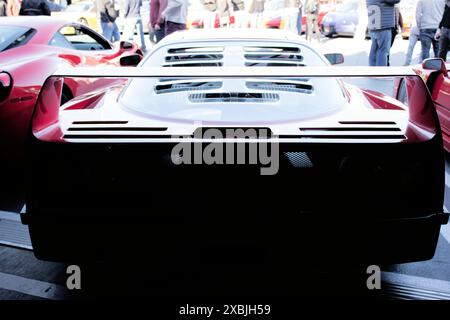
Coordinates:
5 85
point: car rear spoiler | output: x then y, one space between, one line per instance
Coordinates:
236 72
422 116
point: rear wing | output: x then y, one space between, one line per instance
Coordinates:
326 71
422 122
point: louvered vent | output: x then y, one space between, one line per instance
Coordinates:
280 85
233 97
194 57
273 57
181 86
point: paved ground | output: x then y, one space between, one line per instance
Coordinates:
22 276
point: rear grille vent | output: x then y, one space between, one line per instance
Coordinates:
272 49
274 57
299 159
195 50
100 122
113 129
268 63
352 129
236 132
194 57
368 122
187 86
195 64
297 87
233 97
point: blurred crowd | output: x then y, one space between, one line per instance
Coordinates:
379 20
430 27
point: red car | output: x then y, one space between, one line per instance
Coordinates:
278 22
435 73
31 49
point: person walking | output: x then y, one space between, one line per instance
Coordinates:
428 16
13 8
360 32
395 31
109 12
133 19
256 14
225 12
175 16
312 8
34 8
239 13
210 13
2 8
414 37
381 20
300 17
291 14
443 32
156 19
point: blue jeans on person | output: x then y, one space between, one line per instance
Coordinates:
128 31
426 40
299 22
413 38
160 34
110 31
381 45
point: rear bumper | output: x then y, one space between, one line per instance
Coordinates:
354 202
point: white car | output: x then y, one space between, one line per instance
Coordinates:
234 138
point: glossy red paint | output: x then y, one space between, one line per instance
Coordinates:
275 23
439 85
30 64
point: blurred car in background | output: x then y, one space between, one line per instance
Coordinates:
408 11
83 12
30 51
54 7
342 21
145 16
274 15
195 15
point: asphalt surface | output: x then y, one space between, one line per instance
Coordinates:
22 276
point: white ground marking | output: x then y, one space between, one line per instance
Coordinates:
417 282
32 287
7 215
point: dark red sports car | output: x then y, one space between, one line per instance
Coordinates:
31 49
435 74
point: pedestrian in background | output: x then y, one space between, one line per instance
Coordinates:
2 8
256 13
300 17
13 7
414 37
291 14
443 32
209 16
34 8
360 32
156 19
109 12
312 8
381 20
395 30
225 11
175 16
239 14
133 19
428 16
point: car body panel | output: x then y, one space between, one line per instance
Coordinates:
30 64
336 141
